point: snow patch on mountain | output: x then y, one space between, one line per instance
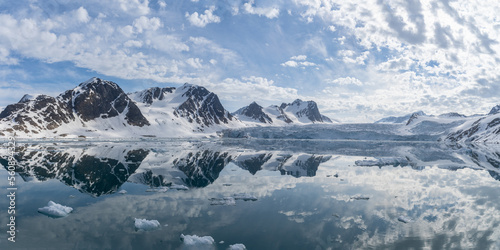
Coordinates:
494 110
297 112
486 129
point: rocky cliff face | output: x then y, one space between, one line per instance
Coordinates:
308 110
97 98
255 112
202 107
34 114
97 107
297 112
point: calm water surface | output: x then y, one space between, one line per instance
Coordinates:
310 194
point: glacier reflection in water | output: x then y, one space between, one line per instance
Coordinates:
310 194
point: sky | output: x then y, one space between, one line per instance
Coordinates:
360 60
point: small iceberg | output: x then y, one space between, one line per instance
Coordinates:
245 197
123 191
146 225
384 161
197 241
179 187
237 246
159 190
404 219
228 201
55 210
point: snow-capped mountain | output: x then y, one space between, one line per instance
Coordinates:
297 112
485 129
189 108
99 108
400 119
305 112
494 110
96 98
94 105
253 112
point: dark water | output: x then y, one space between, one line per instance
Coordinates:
311 194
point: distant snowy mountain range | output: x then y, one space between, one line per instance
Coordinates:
99 108
455 127
297 112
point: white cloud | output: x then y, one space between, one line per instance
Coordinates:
162 4
292 64
269 12
133 43
127 31
5 58
82 15
168 43
201 20
236 92
347 81
299 58
143 23
136 7
297 61
205 45
349 56
195 62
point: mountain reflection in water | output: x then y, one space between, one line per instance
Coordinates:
309 194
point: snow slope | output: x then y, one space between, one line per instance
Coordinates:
297 113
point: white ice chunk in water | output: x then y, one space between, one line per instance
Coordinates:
159 190
179 187
123 191
229 201
197 241
383 161
55 210
237 246
245 197
146 225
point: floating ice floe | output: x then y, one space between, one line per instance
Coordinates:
159 190
238 246
179 187
404 219
197 241
245 197
55 210
123 191
229 201
384 161
146 225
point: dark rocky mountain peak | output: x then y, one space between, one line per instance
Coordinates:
148 96
201 106
414 116
494 110
307 109
97 98
255 111
33 114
